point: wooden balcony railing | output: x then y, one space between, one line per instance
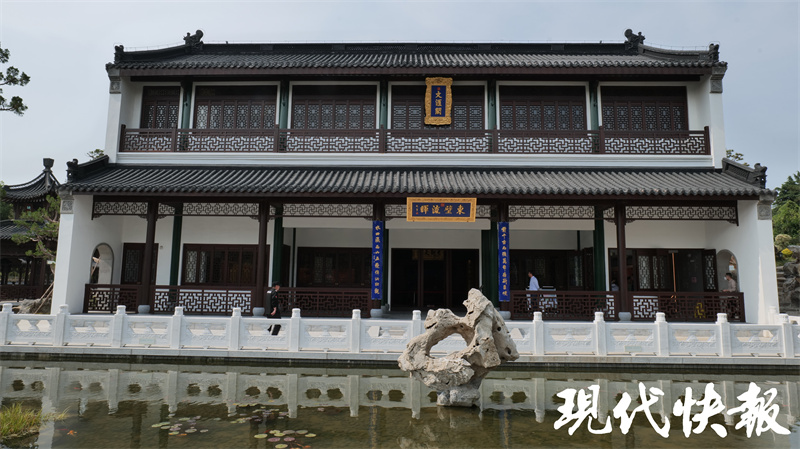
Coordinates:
326 302
9 291
413 141
106 297
321 302
581 305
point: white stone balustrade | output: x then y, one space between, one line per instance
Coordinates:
380 336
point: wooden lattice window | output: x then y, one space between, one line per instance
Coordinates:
644 108
542 108
333 267
333 107
231 265
408 108
235 107
160 107
133 262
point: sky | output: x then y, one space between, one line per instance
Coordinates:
64 46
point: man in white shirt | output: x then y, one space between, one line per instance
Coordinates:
533 284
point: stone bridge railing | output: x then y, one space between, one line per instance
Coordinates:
355 335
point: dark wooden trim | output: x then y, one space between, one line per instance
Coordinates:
150 238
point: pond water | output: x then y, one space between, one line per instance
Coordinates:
165 406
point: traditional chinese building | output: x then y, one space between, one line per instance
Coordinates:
391 177
23 276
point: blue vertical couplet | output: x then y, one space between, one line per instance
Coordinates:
503 244
377 259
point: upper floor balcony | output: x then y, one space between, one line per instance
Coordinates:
492 141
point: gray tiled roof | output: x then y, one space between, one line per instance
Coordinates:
37 188
8 229
411 57
337 182
389 60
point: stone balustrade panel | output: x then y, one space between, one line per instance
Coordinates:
325 334
31 329
255 333
147 331
631 338
89 330
756 339
385 335
569 338
205 332
694 339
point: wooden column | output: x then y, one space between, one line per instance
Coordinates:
277 241
599 253
261 258
622 259
144 297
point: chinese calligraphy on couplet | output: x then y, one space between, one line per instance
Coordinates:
757 413
377 260
503 259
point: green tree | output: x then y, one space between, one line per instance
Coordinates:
6 210
788 191
786 220
738 157
41 227
12 77
96 154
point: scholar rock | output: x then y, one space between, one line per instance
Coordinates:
457 376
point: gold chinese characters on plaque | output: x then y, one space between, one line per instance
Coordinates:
441 209
438 101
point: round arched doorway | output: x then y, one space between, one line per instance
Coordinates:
727 263
102 266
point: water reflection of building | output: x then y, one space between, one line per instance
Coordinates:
231 166
151 393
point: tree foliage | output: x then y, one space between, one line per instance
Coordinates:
41 227
6 210
96 154
786 220
738 157
788 191
12 77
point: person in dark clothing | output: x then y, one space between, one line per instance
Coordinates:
274 307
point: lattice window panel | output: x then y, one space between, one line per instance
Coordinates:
160 107
644 108
726 213
327 210
235 107
516 212
710 271
537 108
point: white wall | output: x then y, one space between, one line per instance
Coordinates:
78 236
751 243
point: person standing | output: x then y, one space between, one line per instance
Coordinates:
274 307
731 283
533 283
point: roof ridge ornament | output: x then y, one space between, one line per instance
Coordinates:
634 40
193 40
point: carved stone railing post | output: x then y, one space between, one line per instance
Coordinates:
60 324
294 331
662 335
5 316
416 323
538 334
117 327
176 328
234 329
787 336
355 332
601 336
724 329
